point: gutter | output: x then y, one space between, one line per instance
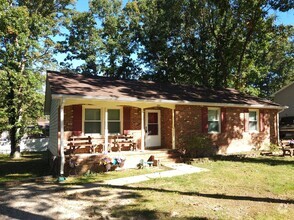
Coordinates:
164 101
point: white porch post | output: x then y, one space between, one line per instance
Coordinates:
106 131
142 130
173 130
62 138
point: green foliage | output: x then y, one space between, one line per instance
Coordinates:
103 38
25 50
208 43
198 146
274 147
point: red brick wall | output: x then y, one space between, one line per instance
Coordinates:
166 128
188 121
233 138
135 118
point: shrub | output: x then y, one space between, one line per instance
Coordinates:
198 146
274 148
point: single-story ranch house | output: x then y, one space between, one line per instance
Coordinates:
157 115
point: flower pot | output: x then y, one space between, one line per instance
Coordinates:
107 167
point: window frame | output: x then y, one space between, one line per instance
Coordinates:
120 120
84 120
257 120
219 120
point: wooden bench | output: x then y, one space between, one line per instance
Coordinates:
288 150
287 147
80 144
98 144
123 143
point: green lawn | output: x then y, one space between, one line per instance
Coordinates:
256 188
233 188
30 165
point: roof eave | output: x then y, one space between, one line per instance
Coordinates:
164 101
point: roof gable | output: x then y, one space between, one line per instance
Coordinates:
284 88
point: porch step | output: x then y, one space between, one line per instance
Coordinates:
134 158
91 161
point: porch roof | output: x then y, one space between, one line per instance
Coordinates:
104 88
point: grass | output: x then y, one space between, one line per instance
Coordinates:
233 188
99 177
256 188
35 164
30 165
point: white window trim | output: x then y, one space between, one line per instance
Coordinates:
101 120
121 119
219 120
257 121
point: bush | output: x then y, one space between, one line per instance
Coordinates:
274 148
198 146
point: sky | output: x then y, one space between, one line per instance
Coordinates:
286 18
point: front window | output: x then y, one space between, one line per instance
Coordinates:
253 119
114 121
213 120
92 123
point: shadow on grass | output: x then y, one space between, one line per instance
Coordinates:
20 214
207 195
272 161
29 165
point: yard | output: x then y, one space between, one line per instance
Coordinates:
234 188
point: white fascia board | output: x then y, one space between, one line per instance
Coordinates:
164 101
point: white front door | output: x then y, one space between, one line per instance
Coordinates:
152 126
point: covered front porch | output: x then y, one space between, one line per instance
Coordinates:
110 126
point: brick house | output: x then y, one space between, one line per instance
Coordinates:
162 115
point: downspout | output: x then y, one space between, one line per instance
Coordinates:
62 158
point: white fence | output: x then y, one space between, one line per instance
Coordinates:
36 144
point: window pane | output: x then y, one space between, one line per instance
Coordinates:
152 117
212 115
213 126
93 127
252 126
153 129
114 127
252 116
92 114
113 114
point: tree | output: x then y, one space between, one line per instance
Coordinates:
211 43
102 38
214 43
25 48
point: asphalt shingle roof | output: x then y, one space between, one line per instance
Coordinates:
110 88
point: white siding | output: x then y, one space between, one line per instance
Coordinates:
285 97
53 132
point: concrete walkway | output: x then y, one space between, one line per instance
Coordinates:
177 170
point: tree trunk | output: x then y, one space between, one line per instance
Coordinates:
14 143
12 119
